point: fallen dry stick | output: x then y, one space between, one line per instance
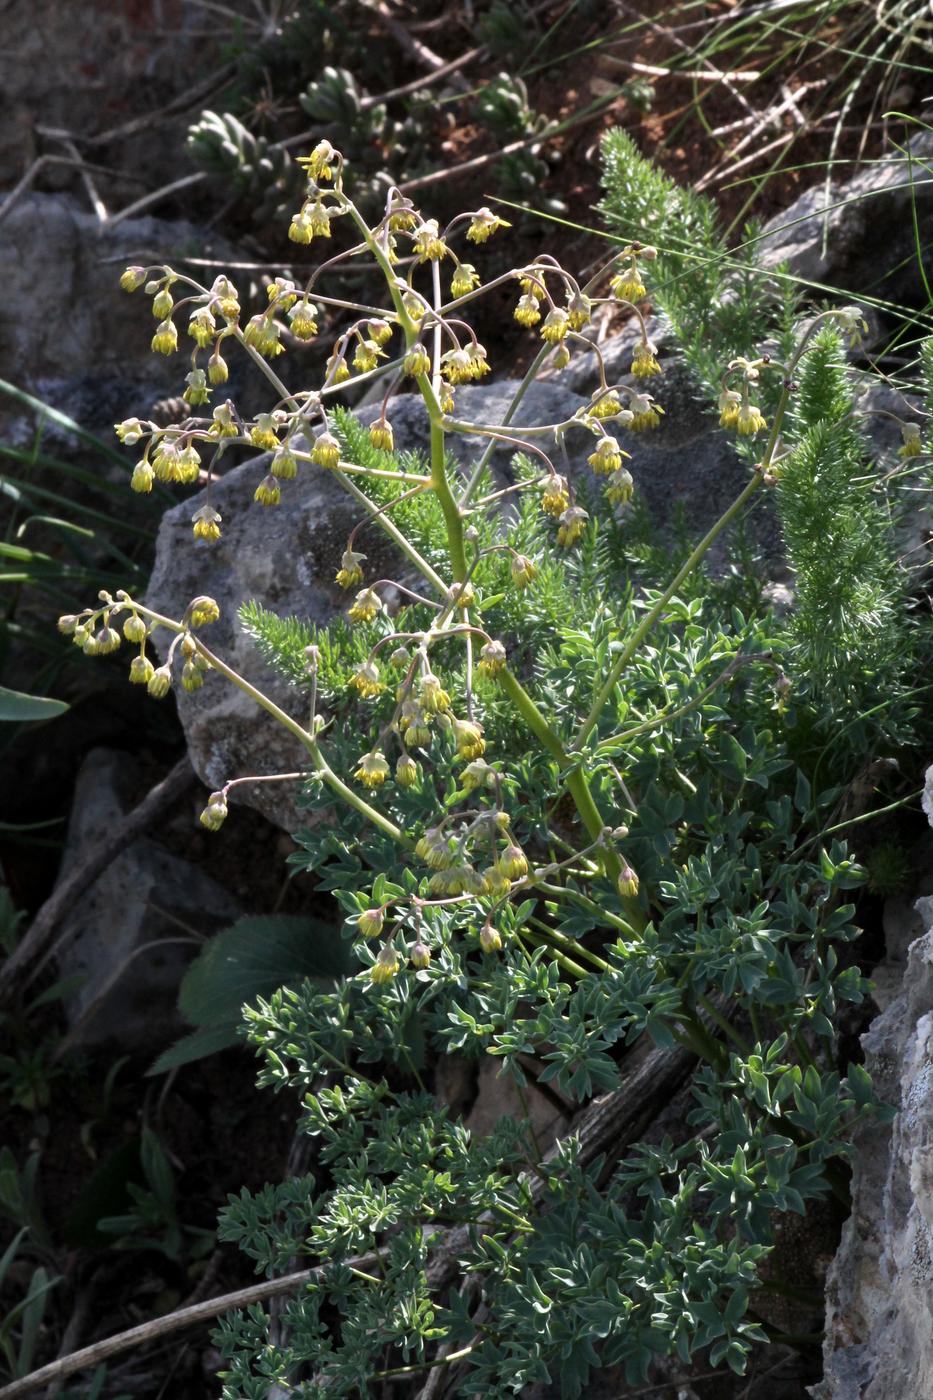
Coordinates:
33 952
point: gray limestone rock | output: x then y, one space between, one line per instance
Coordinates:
856 232
879 1309
127 936
286 559
69 334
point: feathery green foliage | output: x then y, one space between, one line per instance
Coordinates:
718 305
849 618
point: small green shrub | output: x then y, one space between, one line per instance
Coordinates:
594 828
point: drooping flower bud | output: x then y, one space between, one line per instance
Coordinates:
628 882
141 670
381 435
202 611
206 523
572 525
406 771
465 280
468 736
492 658
490 939
132 279
522 570
373 769
366 605
215 813
417 361
420 955
160 683
268 492
386 965
326 451
135 629
370 922
350 574
483 224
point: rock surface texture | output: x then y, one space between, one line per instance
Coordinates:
286 557
68 332
879 1315
859 233
134 930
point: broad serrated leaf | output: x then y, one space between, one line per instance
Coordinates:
252 958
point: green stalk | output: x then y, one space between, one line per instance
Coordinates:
394 533
450 1359
452 517
559 957
741 500
570 944
651 617
520 392
576 783
723 1023
285 720
577 897
336 784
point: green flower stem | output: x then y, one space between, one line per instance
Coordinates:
564 892
664 716
395 534
450 1359
439 482
724 1024
651 617
576 784
570 944
562 960
695 1037
300 733
452 517
530 376
454 425
355 470
263 364
335 783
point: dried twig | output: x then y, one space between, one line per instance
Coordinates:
154 196
97 204
33 952
25 181
156 1327
188 98
650 1077
709 72
406 40
699 75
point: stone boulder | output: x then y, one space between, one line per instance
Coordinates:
286 557
879 1315
70 335
858 233
129 938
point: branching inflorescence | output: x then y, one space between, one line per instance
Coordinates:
490 870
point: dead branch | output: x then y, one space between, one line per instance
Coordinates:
33 952
156 1327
